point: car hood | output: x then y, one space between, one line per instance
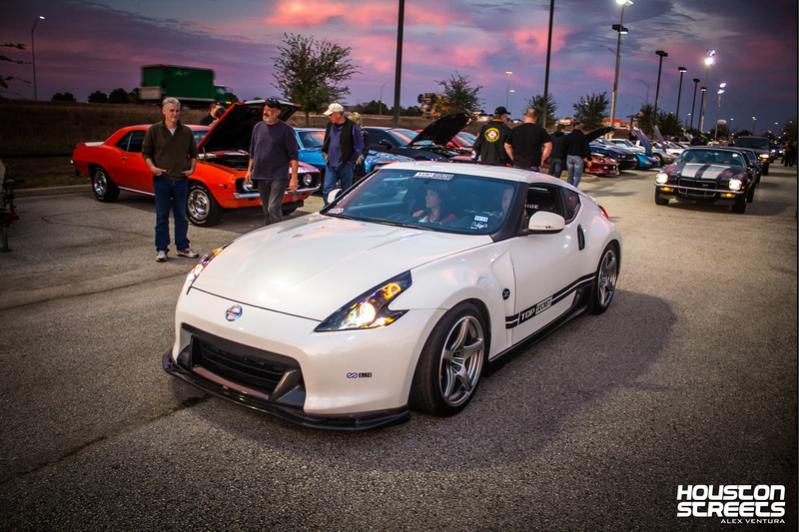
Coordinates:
234 130
711 172
313 265
442 131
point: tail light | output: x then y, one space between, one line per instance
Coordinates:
604 212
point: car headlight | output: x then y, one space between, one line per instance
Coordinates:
370 309
764 155
662 178
204 260
735 184
307 180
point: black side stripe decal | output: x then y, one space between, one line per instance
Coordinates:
541 306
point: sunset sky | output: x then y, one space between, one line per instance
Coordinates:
83 46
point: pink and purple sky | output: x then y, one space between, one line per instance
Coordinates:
84 46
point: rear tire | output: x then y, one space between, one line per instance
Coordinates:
604 286
451 363
103 186
201 207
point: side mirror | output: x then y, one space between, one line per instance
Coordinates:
545 222
332 195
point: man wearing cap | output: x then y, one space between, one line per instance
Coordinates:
342 148
273 150
490 144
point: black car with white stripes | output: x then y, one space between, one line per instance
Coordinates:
707 174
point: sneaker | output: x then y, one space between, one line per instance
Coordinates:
188 253
160 256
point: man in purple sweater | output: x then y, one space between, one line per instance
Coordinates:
273 149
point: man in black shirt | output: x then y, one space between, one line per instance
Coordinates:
490 143
213 114
578 154
526 142
557 158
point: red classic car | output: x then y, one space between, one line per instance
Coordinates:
602 165
218 180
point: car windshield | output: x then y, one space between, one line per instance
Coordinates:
402 136
752 142
198 134
719 157
311 139
432 200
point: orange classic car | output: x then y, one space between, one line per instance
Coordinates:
218 180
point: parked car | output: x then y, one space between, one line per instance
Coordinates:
626 159
402 312
707 174
761 146
752 162
218 180
624 143
428 145
463 142
310 142
602 165
646 163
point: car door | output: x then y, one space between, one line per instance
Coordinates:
117 161
546 266
138 174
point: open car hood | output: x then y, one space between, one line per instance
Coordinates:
442 131
595 134
234 130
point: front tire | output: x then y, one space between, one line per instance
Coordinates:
288 209
103 186
659 199
765 170
201 207
451 363
604 287
739 207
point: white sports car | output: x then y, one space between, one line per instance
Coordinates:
395 296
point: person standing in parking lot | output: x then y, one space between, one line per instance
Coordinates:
489 147
578 154
527 142
273 150
360 169
169 150
557 157
342 147
213 114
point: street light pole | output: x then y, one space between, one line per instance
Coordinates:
508 73
754 119
619 30
398 71
722 86
33 55
546 72
682 70
703 90
693 103
380 101
710 58
662 54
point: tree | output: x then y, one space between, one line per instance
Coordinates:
541 106
413 110
98 97
669 125
459 96
309 72
590 110
118 96
644 118
63 97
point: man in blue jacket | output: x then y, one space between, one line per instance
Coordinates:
342 147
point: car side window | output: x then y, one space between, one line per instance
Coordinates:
124 141
541 198
571 204
136 141
376 135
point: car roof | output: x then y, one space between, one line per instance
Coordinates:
480 170
309 129
714 148
193 127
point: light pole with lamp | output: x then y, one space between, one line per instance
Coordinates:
710 58
33 55
754 119
662 54
682 70
508 73
719 92
380 101
619 29
511 92
703 90
693 103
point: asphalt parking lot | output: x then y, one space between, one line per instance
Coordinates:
689 378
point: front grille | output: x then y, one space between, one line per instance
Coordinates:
708 189
237 363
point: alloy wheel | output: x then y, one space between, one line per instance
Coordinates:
461 360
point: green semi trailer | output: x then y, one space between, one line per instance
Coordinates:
188 84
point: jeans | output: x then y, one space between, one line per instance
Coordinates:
343 173
555 166
574 164
271 191
170 194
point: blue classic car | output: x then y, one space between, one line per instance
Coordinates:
310 143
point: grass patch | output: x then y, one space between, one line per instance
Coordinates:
36 172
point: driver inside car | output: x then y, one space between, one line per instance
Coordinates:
435 210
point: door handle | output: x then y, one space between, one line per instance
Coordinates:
124 158
580 237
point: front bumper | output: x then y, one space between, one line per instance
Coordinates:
699 192
347 380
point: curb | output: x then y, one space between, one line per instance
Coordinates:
51 191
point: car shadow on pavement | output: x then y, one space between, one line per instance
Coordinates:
518 410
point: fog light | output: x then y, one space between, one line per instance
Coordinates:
666 189
727 195
662 178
